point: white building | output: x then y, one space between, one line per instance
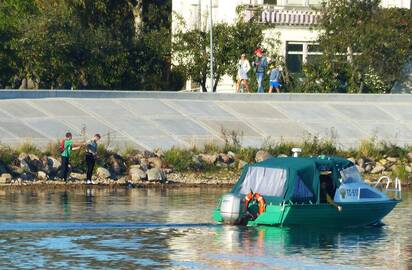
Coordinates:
292 21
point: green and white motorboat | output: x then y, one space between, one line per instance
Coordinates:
291 192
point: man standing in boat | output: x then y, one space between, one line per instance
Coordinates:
325 197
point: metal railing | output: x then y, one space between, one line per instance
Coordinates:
283 16
384 183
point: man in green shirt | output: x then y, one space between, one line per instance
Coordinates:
69 145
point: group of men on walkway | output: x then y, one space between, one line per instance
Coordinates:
261 64
67 145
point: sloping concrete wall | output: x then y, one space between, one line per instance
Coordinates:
165 119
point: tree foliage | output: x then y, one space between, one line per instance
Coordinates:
10 31
84 44
365 43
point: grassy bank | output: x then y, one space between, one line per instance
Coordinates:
372 157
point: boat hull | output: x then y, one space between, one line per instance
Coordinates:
324 215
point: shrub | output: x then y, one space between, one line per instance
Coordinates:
7 154
52 149
211 148
77 160
29 148
368 148
401 172
393 150
180 159
247 154
316 146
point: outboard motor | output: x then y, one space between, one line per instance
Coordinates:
232 209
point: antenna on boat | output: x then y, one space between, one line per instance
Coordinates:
296 151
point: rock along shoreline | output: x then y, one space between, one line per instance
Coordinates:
157 169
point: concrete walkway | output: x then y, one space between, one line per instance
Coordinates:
165 119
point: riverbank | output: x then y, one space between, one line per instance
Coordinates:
212 165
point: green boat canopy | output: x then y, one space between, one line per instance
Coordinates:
295 179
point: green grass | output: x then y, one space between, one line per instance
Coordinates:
179 159
7 154
29 148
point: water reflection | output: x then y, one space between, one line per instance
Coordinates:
95 228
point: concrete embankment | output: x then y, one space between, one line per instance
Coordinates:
149 120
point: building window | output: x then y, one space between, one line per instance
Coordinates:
294 57
299 53
270 2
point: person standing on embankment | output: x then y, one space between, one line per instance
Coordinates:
260 64
91 154
67 145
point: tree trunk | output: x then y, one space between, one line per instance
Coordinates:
362 85
215 83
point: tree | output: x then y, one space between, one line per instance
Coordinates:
365 43
191 49
11 12
74 44
85 44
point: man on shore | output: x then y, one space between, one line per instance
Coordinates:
91 154
260 64
67 146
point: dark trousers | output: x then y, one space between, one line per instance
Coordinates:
65 167
90 161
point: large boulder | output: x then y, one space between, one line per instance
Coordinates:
392 159
30 162
361 162
35 162
159 153
209 159
5 178
360 169
225 158
148 154
144 164
103 173
368 168
409 155
28 176
262 155
155 162
155 174
197 162
117 164
378 169
24 161
352 159
78 176
3 167
54 164
136 174
42 175
241 164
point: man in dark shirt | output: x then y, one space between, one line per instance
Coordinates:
91 154
325 197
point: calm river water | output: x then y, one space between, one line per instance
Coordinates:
106 228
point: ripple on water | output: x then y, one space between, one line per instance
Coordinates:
172 229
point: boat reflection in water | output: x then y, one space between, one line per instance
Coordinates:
286 248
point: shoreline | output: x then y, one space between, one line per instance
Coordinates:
211 166
174 181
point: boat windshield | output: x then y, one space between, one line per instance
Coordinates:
351 175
